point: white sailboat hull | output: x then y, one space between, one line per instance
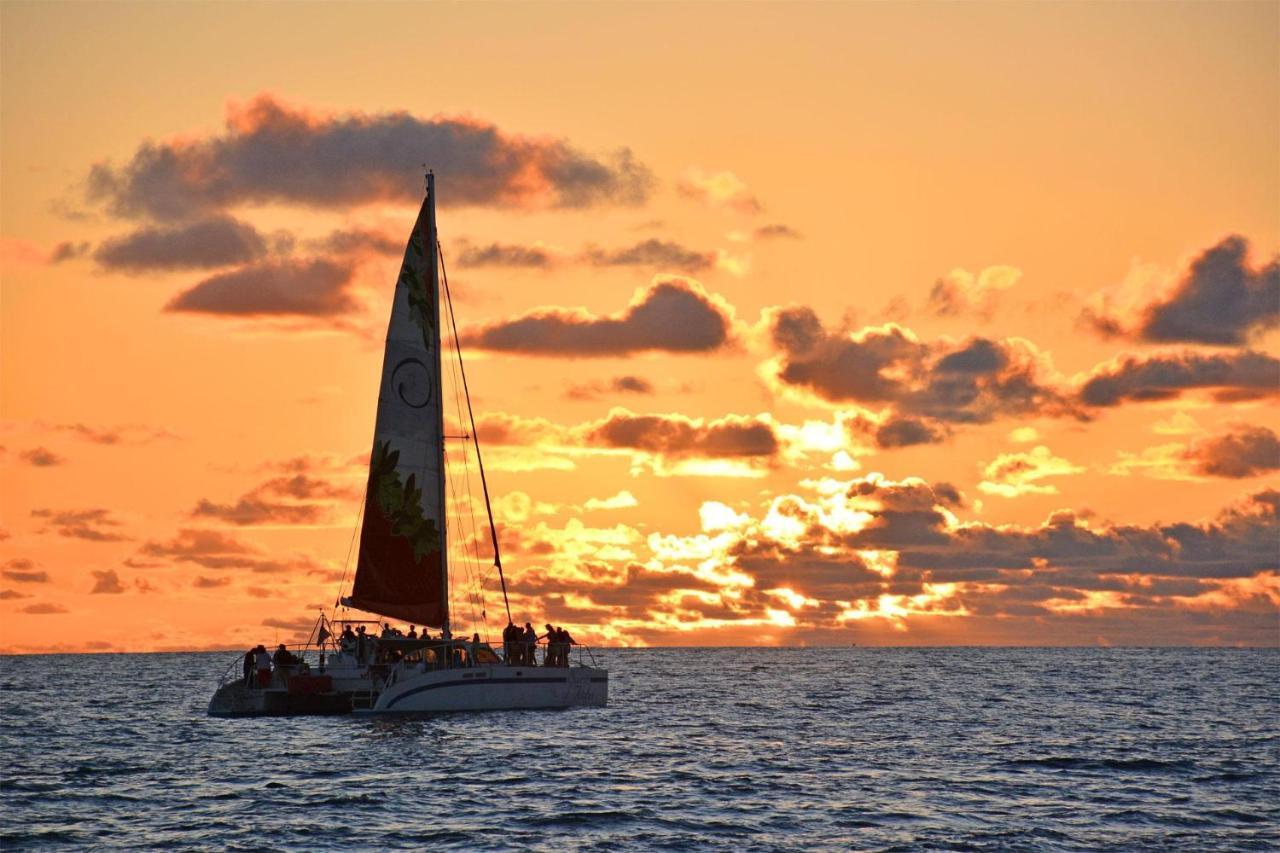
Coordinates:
494 688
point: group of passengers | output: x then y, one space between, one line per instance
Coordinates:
519 645
259 662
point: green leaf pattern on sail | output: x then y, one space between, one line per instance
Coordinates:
401 503
414 281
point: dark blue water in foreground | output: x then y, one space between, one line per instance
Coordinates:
740 749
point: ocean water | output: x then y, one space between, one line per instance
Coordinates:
734 749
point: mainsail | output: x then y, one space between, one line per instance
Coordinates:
401 570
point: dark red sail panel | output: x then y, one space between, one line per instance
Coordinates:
391 580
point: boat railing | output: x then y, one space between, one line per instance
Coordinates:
235 668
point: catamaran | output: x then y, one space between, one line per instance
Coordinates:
402 565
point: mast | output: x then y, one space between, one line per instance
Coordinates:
434 289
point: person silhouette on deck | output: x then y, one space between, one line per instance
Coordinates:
250 658
413 632
529 642
509 641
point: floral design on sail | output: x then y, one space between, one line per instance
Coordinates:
401 567
400 502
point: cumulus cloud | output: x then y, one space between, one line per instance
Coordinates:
214 242
1246 451
41 457
719 189
618 385
1243 451
211 549
44 609
1164 376
94 525
69 251
106 582
356 240
1220 299
622 500
23 571
672 315
677 436
271 152
314 287
652 253
505 255
924 387
961 293
202 582
1013 474
288 500
776 231
136 434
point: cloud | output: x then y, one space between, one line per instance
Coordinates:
677 436
671 315
1246 451
106 582
471 256
202 582
94 525
1013 474
68 251
123 434
1164 376
273 153
218 241
288 500
12 595
719 189
44 609
622 500
776 231
923 387
960 292
20 571
41 457
356 241
908 432
315 287
617 385
1220 299
652 253
212 550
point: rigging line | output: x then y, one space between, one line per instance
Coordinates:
453 509
346 564
476 590
480 578
493 530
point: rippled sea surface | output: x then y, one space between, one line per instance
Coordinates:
741 749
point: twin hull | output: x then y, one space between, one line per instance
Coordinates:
484 688
494 688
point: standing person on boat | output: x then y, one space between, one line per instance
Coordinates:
473 651
360 644
263 661
508 642
528 645
567 642
249 659
413 632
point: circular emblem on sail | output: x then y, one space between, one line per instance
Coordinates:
412 381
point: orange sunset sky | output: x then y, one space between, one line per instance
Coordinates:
786 323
